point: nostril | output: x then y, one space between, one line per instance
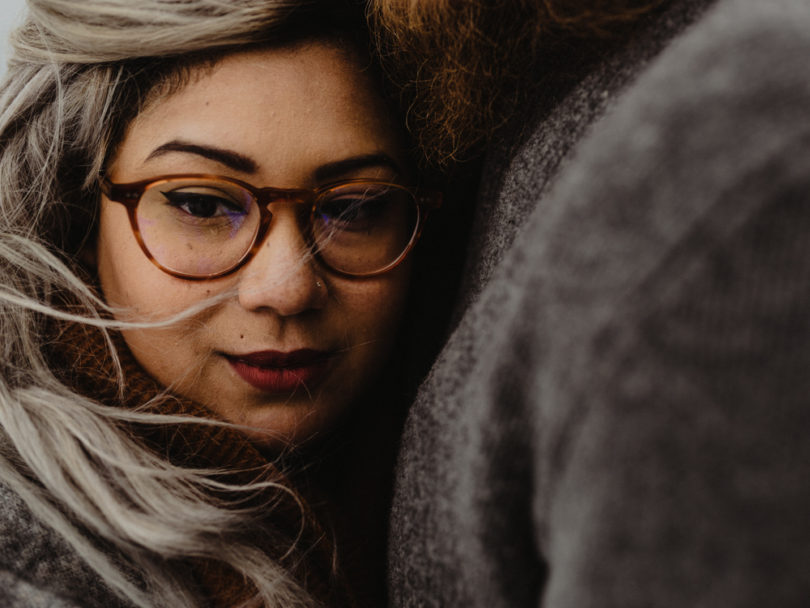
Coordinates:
282 275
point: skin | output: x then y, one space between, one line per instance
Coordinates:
292 113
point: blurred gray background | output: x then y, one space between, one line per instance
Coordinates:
11 12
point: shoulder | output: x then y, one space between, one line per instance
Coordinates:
668 285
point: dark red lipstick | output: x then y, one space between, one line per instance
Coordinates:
278 372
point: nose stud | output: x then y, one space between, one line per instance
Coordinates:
318 284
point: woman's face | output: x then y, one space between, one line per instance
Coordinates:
293 344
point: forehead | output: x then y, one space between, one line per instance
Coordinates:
314 99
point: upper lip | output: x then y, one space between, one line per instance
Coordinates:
273 358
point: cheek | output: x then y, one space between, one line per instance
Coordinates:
120 260
142 292
128 279
375 306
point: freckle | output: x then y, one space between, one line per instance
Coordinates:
208 292
242 337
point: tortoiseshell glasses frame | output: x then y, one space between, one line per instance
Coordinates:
414 203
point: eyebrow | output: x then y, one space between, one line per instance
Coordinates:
238 162
339 168
230 159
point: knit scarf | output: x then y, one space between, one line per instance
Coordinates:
80 356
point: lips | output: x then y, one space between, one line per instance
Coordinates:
279 372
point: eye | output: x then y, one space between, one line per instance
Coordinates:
203 204
358 209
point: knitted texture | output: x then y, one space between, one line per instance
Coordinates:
619 418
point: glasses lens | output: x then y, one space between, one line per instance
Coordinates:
197 227
363 228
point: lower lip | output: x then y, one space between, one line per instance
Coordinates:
279 379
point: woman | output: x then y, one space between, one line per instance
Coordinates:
205 212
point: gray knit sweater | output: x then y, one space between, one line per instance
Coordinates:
620 418
37 567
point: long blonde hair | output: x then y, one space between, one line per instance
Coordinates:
79 72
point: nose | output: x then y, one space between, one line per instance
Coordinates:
282 276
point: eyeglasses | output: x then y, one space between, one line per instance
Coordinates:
200 227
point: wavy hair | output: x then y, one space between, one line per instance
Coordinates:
78 74
462 66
